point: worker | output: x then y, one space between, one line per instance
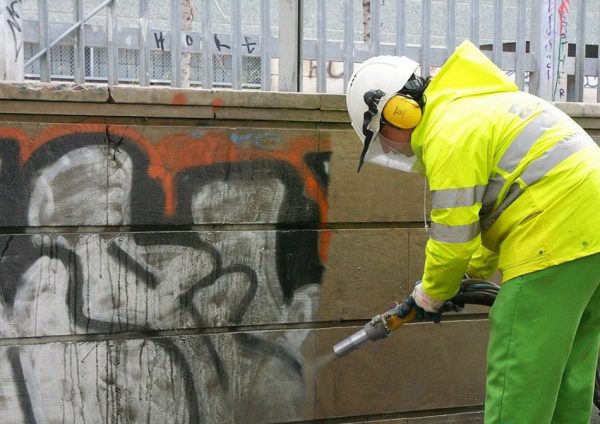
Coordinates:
515 186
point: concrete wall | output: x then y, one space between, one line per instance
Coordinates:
191 256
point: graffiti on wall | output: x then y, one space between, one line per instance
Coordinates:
563 11
13 22
173 271
11 40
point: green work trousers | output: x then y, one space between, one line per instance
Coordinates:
543 349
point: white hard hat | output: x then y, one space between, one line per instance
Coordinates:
385 75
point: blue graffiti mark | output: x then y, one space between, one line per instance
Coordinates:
257 139
197 134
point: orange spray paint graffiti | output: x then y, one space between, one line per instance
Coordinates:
177 152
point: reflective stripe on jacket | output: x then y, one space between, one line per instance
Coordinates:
506 170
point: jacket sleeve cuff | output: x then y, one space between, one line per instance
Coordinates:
423 300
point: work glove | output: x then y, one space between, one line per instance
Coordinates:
427 308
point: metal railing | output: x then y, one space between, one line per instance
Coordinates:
550 47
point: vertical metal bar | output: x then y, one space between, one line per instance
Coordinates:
44 37
580 49
401 28
143 43
113 48
545 40
474 19
236 58
498 33
207 75
375 28
520 45
321 46
290 42
348 41
300 36
451 30
425 37
175 43
79 46
92 67
186 14
265 52
535 47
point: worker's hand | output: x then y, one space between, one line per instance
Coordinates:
428 309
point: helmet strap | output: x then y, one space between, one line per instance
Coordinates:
372 99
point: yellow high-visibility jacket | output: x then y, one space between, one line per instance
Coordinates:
515 182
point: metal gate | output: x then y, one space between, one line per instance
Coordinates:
550 47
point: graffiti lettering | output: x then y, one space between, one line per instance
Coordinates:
548 43
85 283
563 11
189 39
15 27
159 39
249 45
219 44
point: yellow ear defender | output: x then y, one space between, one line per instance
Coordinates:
402 112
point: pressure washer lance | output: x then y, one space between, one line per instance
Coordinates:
472 291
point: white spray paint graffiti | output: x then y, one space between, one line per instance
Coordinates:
138 282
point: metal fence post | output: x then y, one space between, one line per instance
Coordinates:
348 41
207 58
113 50
79 45
44 29
425 38
451 28
401 28
580 51
374 28
175 43
545 44
520 46
474 22
321 46
265 56
143 40
498 46
290 42
236 37
11 41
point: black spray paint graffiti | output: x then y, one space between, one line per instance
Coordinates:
14 23
145 281
190 39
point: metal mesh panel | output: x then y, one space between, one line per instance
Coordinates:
129 64
100 62
160 66
88 62
251 71
30 49
62 61
222 67
96 63
196 68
